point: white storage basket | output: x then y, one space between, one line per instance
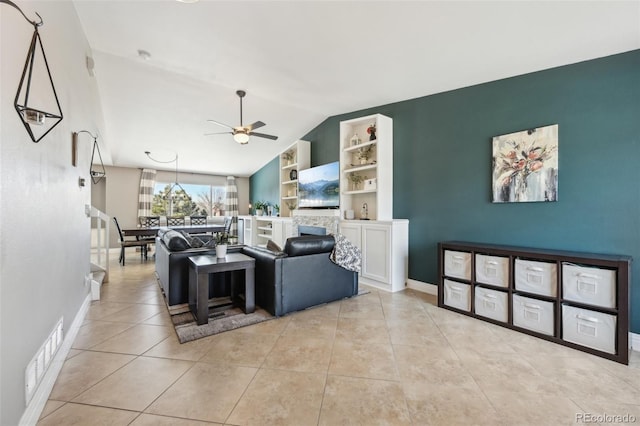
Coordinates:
492 270
457 295
593 286
457 264
491 304
589 328
533 314
536 277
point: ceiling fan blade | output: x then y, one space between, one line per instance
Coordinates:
218 133
220 124
256 125
262 135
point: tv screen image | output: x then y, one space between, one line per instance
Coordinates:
319 187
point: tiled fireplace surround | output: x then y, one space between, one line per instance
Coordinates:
327 219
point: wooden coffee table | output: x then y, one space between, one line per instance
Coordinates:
199 269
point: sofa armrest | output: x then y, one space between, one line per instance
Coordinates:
313 280
268 275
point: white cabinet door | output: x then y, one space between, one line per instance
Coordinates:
353 232
277 233
376 241
287 230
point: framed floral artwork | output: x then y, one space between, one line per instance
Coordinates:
525 166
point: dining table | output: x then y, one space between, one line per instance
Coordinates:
152 231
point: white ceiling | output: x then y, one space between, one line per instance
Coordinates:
303 61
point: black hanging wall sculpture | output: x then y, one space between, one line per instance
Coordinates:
30 111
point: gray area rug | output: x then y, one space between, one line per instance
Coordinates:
220 321
230 319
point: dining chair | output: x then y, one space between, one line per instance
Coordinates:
149 221
130 243
175 221
198 220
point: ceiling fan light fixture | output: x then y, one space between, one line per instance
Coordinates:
241 137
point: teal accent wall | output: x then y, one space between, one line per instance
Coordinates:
442 163
264 185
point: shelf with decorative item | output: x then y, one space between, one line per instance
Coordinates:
290 166
358 191
360 146
290 182
360 168
268 236
292 197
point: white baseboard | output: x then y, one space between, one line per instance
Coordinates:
634 341
422 287
34 409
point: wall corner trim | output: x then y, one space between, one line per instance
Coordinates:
34 409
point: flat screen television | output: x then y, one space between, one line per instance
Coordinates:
319 187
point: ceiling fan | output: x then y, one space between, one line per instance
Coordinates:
241 133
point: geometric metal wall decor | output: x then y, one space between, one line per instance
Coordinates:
97 170
36 100
525 166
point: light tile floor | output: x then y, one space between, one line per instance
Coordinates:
379 358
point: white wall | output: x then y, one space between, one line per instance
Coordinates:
44 233
122 193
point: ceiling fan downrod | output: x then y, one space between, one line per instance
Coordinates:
241 94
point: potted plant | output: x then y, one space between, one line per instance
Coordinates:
222 242
357 180
364 154
288 156
291 206
276 208
260 206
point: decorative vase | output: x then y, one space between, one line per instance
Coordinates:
293 174
355 140
258 212
221 251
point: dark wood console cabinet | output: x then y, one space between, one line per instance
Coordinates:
579 300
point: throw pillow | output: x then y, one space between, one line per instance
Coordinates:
271 246
196 242
175 241
186 236
346 254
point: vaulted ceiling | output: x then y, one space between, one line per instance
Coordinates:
303 61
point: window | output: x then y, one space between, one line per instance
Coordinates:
170 199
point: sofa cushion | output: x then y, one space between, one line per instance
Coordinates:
175 241
309 244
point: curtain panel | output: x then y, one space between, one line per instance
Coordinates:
145 195
231 204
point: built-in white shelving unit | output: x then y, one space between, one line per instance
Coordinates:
293 159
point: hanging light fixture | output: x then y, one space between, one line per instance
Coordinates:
170 195
241 137
32 115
